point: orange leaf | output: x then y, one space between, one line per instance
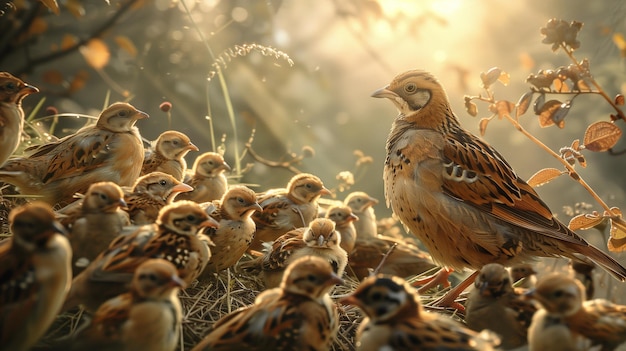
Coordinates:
523 103
126 44
504 78
546 112
616 245
482 125
492 75
601 136
68 41
504 108
38 26
619 99
79 81
53 76
76 8
585 221
543 176
471 108
96 53
52 5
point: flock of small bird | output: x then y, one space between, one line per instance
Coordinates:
119 229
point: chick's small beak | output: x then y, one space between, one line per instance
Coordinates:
335 280
177 281
29 89
192 147
210 223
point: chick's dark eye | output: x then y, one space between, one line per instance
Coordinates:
191 218
557 293
163 182
410 87
376 296
175 142
311 278
10 86
123 113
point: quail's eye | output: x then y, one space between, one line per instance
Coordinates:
103 196
123 113
311 278
10 86
308 185
240 199
410 87
163 182
557 293
376 296
175 142
210 163
191 218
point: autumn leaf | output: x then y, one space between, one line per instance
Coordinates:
127 45
585 221
492 75
504 108
524 102
620 42
543 176
601 136
504 78
52 5
547 110
482 125
96 53
471 108
619 99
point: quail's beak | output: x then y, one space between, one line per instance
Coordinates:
320 240
123 203
177 281
181 188
335 280
256 207
141 115
384 93
325 191
353 217
58 227
225 167
349 300
192 147
29 89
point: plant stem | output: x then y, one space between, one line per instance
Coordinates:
572 172
227 101
600 91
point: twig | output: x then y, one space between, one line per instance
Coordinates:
276 164
382 262
30 64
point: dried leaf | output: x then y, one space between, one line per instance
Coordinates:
68 41
618 228
492 75
585 221
482 125
504 78
53 76
559 115
523 103
52 5
471 108
616 245
79 81
504 108
560 86
619 100
539 102
96 53
601 136
38 26
126 44
546 112
75 7
620 42
576 144
543 176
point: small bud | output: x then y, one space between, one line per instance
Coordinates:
165 106
51 111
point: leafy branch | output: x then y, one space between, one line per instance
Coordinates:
571 81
